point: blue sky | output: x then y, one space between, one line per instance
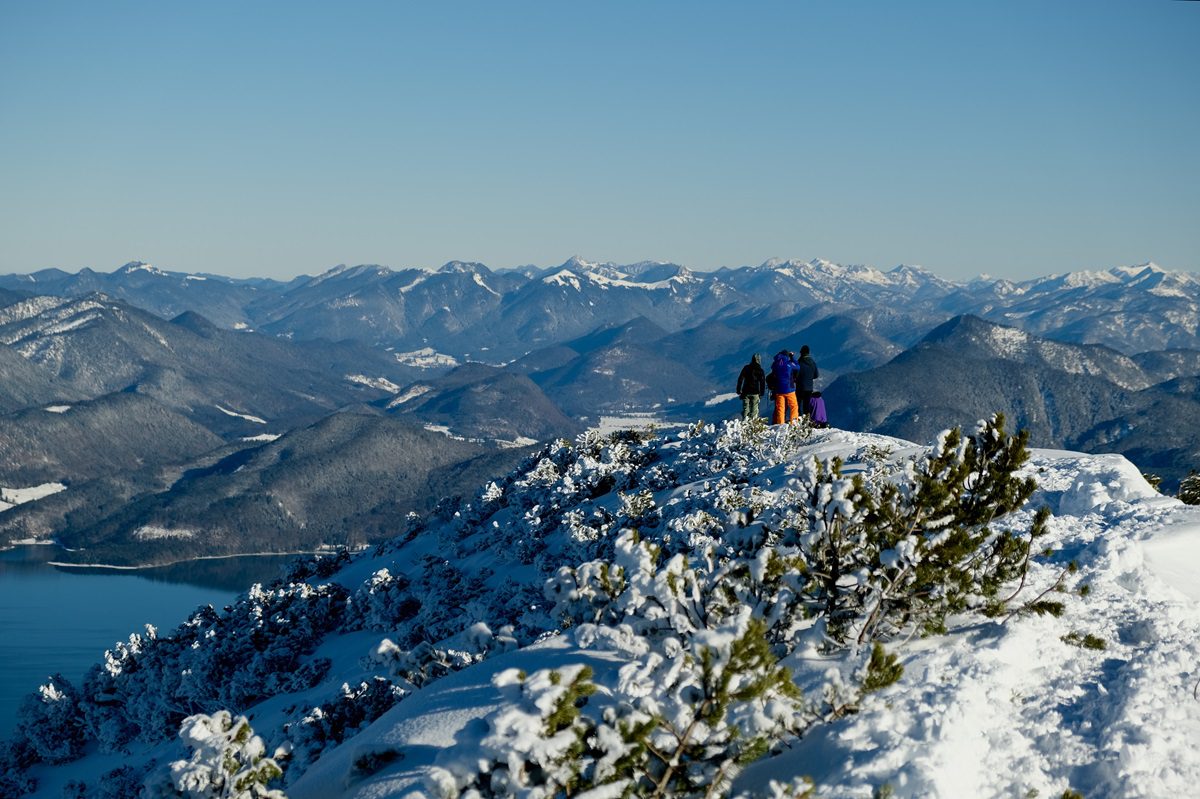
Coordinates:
1009 138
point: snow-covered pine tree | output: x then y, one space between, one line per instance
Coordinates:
1189 489
903 554
228 761
684 719
50 723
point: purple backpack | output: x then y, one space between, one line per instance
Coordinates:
816 409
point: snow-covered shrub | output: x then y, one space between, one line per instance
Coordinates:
228 761
425 662
342 717
852 558
1189 489
884 560
51 723
385 601
682 721
532 745
256 648
119 783
320 566
16 755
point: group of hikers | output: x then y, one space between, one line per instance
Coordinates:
790 382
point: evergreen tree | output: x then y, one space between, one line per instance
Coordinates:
1189 489
49 722
228 761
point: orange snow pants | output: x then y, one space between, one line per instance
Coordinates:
786 402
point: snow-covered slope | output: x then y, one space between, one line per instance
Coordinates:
434 664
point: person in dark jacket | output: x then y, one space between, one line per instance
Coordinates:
751 386
806 373
783 388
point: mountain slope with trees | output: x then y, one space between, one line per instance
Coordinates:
675 615
346 481
1075 396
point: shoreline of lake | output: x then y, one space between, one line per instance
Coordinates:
11 546
71 565
58 619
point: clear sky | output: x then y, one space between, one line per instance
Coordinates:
255 138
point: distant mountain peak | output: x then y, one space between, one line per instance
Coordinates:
1137 270
464 267
343 271
140 266
575 264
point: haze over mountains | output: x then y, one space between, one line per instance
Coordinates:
166 401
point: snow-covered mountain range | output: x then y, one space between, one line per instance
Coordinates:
627 596
118 403
495 315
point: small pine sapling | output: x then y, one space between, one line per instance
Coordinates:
1085 640
883 670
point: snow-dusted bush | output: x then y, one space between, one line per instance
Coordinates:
879 561
334 721
385 601
1189 489
678 724
51 723
228 761
425 662
150 683
15 758
307 566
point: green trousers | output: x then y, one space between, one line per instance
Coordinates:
749 407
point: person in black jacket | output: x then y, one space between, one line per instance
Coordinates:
806 373
751 386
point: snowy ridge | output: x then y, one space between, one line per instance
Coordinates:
411 393
342 272
26 309
402 676
246 416
48 316
576 272
381 383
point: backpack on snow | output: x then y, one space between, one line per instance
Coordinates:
816 410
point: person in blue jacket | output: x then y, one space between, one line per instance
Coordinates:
783 388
